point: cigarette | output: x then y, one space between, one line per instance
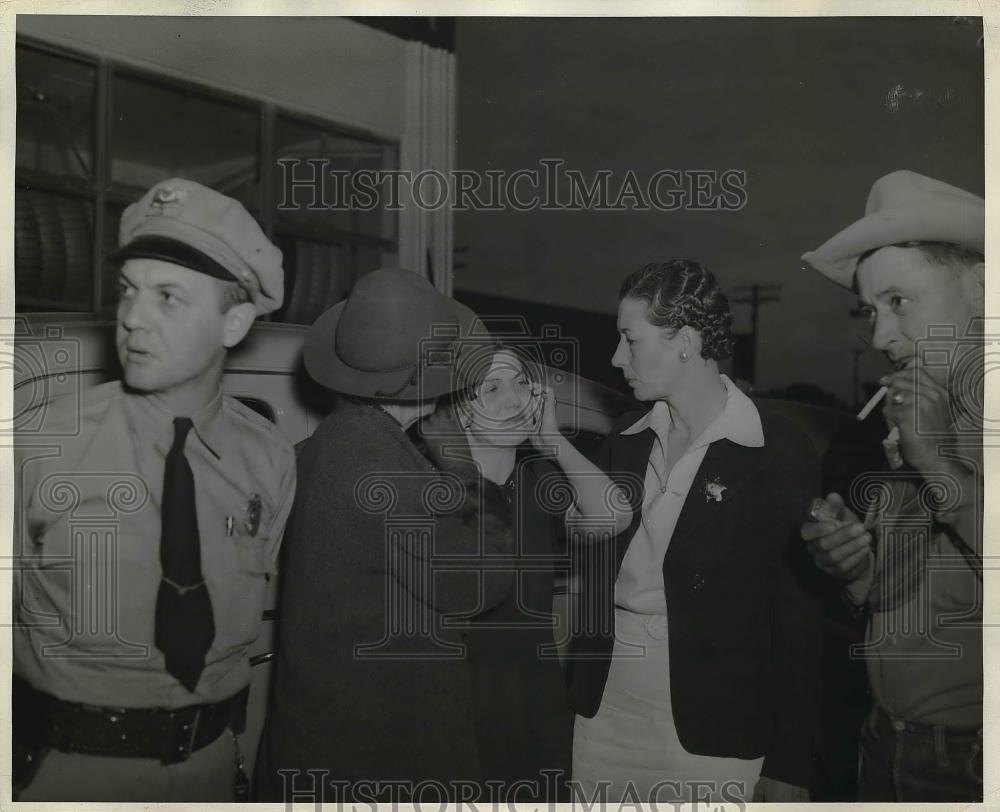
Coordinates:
871 404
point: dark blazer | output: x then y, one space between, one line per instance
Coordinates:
744 632
379 564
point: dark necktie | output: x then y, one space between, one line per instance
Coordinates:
184 625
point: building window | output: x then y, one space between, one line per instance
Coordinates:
93 135
159 131
54 161
325 250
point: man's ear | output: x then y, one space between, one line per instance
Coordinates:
239 320
974 285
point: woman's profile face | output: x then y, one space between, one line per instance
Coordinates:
647 355
504 411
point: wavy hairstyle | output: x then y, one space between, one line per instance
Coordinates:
473 363
682 293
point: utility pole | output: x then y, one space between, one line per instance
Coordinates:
858 313
856 378
757 296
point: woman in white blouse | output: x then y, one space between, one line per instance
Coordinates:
705 689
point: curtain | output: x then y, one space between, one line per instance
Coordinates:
425 239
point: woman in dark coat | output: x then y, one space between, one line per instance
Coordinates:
524 723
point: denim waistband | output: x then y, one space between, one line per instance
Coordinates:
881 721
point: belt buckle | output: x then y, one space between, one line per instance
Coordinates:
181 733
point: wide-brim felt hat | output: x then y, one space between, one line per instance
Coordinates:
394 338
903 207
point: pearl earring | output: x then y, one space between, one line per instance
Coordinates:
684 356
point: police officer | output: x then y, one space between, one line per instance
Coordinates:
150 516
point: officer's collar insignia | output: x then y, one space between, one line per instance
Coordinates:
167 200
252 520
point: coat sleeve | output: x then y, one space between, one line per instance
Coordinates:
796 621
602 459
428 532
465 565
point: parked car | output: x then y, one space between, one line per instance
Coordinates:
61 355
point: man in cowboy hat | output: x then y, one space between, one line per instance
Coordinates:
131 641
385 551
911 558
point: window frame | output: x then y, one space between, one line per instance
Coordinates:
101 192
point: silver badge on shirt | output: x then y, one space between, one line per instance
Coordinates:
253 511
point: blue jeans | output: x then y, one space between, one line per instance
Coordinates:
910 762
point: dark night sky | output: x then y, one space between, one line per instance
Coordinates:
802 105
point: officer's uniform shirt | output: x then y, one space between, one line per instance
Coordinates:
89 538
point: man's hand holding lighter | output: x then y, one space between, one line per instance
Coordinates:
839 542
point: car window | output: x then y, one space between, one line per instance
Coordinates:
261 407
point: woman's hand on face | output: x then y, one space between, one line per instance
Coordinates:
544 407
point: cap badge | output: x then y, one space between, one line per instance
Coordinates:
167 200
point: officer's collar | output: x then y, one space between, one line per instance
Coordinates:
154 422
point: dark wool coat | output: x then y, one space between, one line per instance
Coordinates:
524 722
371 682
744 630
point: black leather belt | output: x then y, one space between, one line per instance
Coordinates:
170 735
884 723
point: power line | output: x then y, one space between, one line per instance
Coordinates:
758 295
